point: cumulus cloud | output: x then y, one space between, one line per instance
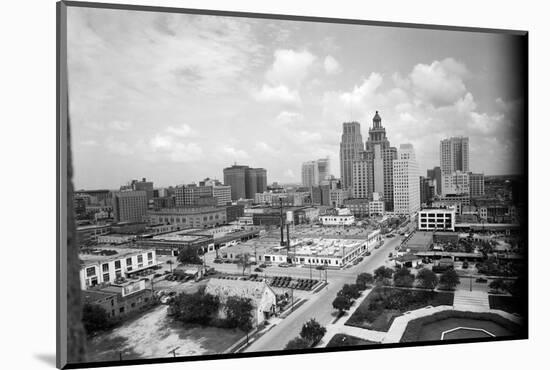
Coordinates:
331 65
183 130
175 150
235 154
440 83
118 147
290 67
279 94
286 117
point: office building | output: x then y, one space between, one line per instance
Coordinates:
373 170
435 175
315 172
477 185
129 205
455 183
192 195
454 155
245 182
204 216
442 219
350 147
406 182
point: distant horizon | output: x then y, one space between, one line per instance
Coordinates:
214 90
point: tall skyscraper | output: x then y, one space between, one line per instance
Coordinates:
245 182
350 147
373 170
454 155
323 168
406 181
315 172
310 174
435 175
130 205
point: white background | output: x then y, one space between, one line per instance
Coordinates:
28 181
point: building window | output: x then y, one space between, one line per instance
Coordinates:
150 255
106 277
90 271
121 310
140 258
129 261
117 264
105 267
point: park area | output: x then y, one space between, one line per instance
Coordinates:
448 325
384 304
155 334
344 340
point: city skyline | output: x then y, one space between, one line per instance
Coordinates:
281 91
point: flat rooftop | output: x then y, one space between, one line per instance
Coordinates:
95 256
180 235
420 241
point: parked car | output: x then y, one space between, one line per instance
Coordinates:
368 254
218 260
257 269
284 264
360 259
320 267
465 265
263 266
481 280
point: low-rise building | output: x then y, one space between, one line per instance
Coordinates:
189 216
262 297
119 299
436 219
342 218
102 266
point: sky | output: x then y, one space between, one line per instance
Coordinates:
176 98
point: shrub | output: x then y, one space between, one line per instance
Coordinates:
312 332
95 318
382 273
350 290
297 343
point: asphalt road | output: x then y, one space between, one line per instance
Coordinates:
319 306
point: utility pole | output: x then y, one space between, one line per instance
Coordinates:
173 352
282 222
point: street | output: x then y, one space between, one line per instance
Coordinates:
320 305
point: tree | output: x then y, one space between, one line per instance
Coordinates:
499 285
243 260
94 318
449 279
363 280
239 312
297 343
189 255
382 273
197 308
403 277
341 303
350 290
313 332
427 279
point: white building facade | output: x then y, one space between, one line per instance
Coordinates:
406 182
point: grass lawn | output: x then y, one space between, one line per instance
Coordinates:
506 303
344 340
384 304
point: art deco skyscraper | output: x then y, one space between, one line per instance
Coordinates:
373 171
350 147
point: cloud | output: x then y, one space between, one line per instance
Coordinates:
363 91
331 65
279 94
290 67
183 130
176 151
286 117
232 153
90 142
118 147
440 83
264 148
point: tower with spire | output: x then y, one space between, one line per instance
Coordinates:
373 171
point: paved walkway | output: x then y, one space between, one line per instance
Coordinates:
466 300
